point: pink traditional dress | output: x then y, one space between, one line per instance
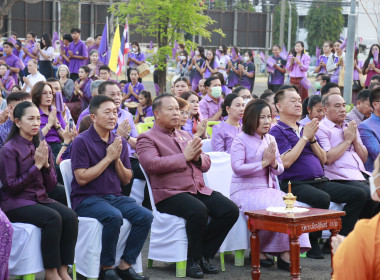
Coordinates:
253 187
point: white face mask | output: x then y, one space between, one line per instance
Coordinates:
246 101
246 58
134 50
196 52
373 188
182 57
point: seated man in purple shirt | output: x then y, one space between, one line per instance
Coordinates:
174 162
13 99
14 62
100 163
370 130
77 53
210 105
362 110
344 148
303 157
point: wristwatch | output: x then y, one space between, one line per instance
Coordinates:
129 136
65 145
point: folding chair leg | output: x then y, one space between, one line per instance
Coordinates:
74 268
180 269
150 263
222 264
31 276
239 257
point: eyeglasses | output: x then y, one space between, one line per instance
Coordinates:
184 113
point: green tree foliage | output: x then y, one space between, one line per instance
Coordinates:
238 5
276 24
167 20
324 22
69 15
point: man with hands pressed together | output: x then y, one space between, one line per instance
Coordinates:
303 157
100 163
174 162
345 152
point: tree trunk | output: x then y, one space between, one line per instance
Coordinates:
162 80
162 41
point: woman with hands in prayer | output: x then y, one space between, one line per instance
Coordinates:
27 173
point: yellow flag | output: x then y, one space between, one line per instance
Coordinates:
112 64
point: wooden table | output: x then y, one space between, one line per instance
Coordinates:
293 224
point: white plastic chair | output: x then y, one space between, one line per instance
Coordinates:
218 178
206 147
137 191
89 242
26 258
168 238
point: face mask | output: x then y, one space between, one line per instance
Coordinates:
221 50
246 101
317 85
246 58
216 92
196 52
373 188
134 50
182 57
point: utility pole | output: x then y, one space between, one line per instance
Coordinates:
349 57
289 26
282 22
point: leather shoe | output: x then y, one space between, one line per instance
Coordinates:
108 274
193 270
208 268
281 264
315 252
130 274
266 263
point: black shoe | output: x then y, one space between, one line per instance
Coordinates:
108 274
266 263
130 274
315 252
281 264
208 268
326 247
193 269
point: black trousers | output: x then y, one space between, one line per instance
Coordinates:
369 208
59 230
319 193
55 148
204 239
138 174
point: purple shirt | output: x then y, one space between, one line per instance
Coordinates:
194 74
23 183
87 151
147 111
307 166
223 134
188 126
277 78
209 107
370 135
136 89
232 77
207 74
297 71
245 80
137 56
121 116
52 136
356 72
13 61
324 59
31 47
5 128
349 166
79 49
305 120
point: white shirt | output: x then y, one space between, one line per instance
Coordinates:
33 79
49 52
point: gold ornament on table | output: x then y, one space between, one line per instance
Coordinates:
289 199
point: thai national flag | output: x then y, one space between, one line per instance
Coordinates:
124 49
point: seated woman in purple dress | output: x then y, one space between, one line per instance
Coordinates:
312 108
83 86
210 66
6 81
6 234
144 109
184 110
225 132
195 118
27 173
255 159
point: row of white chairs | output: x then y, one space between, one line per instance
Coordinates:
168 239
